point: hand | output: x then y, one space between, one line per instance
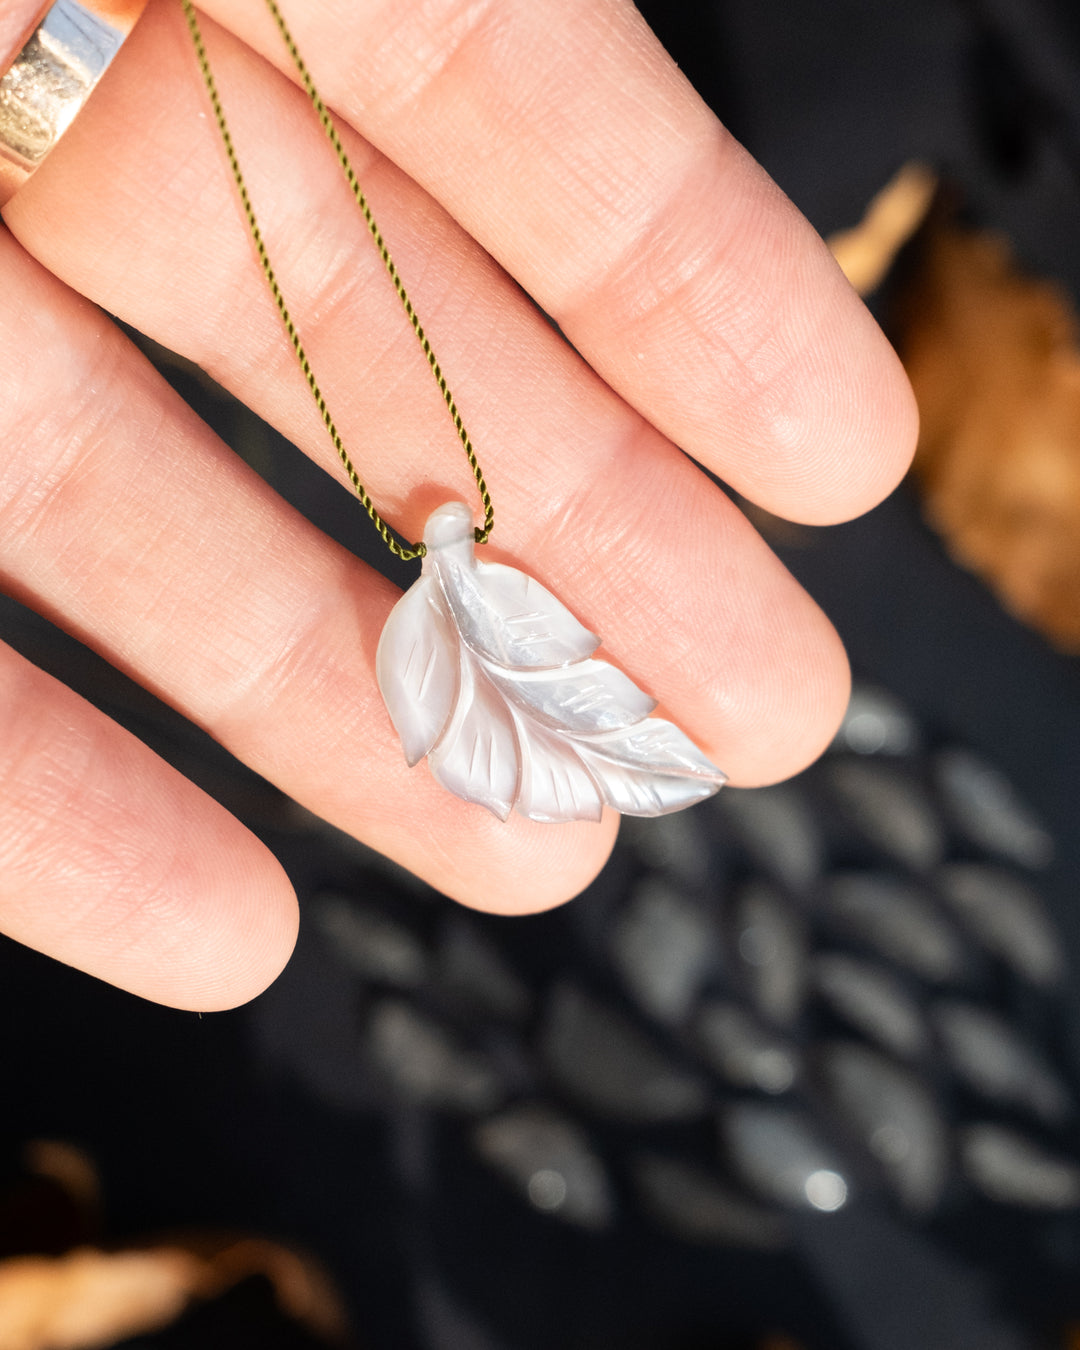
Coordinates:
552 142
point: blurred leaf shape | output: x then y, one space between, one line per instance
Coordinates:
994 360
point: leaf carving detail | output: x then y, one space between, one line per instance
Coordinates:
489 675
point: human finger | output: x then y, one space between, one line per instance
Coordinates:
115 863
563 137
685 595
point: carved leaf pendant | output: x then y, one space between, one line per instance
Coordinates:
494 680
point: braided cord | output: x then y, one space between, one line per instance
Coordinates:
387 535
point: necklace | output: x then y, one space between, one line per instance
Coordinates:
483 671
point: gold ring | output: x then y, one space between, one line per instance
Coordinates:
43 90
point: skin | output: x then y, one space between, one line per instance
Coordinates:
506 148
17 21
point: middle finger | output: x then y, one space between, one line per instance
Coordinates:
589 497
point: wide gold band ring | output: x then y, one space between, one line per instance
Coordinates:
70 46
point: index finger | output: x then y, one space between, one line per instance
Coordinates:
567 142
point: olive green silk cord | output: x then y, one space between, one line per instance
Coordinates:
417 550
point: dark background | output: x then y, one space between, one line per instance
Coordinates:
266 1119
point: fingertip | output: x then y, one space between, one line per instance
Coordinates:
245 956
530 868
862 415
215 931
778 726
729 325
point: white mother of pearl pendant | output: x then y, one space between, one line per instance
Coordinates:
494 680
